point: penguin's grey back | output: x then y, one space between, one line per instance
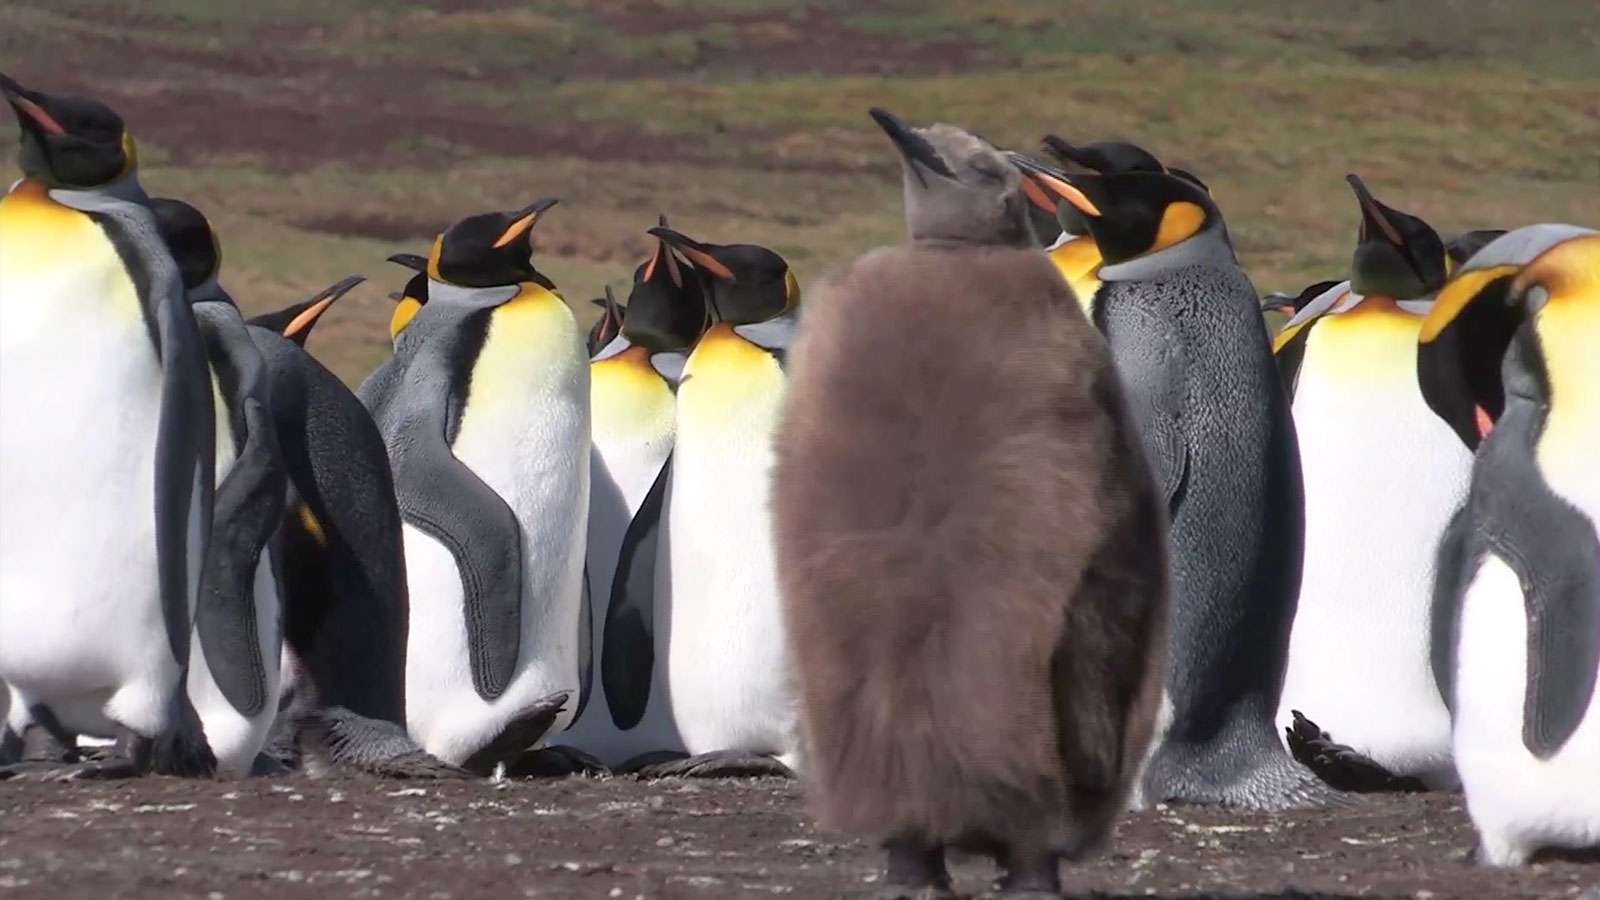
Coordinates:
1240 495
952 459
349 620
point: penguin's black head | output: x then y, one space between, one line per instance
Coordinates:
296 320
490 250
958 186
608 326
747 283
69 142
1397 255
1460 248
413 296
1131 214
1460 348
189 238
668 308
1103 157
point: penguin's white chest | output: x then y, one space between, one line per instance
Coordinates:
80 618
728 673
634 412
1383 476
525 433
1518 802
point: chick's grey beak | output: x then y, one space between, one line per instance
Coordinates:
913 148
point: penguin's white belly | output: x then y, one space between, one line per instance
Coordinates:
728 672
624 465
1383 476
1518 802
529 441
81 626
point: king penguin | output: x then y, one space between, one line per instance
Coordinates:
1185 329
632 383
971 543
1075 253
1382 476
235 677
485 410
1516 608
345 606
107 445
727 676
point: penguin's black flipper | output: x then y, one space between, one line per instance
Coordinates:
249 506
1451 567
627 658
185 476
1151 364
440 495
585 644
1561 588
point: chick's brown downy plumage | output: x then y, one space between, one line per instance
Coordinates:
971 553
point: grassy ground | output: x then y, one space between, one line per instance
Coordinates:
322 135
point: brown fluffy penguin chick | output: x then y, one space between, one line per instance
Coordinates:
970 545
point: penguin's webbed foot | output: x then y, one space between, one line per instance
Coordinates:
334 739
719 764
1271 781
555 762
1341 766
108 764
519 735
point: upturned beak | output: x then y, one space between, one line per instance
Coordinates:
524 219
27 108
1278 301
320 304
1052 185
912 146
1373 215
696 252
411 261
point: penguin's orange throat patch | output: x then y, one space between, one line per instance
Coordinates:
1485 422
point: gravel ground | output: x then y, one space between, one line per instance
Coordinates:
617 837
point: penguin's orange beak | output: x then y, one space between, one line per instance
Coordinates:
1044 188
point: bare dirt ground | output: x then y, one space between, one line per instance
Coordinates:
617 837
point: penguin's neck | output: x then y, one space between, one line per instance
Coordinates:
775 333
1208 248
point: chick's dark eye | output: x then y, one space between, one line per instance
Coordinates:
987 172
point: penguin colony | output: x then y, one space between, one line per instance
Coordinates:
995 541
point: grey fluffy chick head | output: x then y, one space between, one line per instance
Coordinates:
959 187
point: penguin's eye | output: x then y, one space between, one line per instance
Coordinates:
986 170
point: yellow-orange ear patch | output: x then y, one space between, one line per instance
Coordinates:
1455 297
433 258
404 312
1179 222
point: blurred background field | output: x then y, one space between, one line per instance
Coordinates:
322 135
